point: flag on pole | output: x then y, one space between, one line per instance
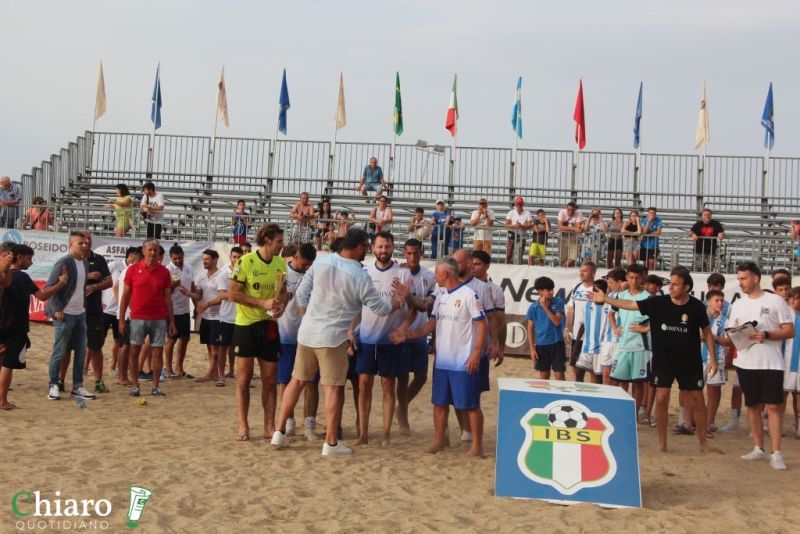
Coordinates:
155 108
341 115
580 119
516 112
283 105
637 119
398 107
452 110
222 99
768 121
100 98
703 135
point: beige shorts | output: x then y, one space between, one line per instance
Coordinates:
331 362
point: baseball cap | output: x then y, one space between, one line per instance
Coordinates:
519 200
440 201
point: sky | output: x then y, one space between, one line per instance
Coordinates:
51 51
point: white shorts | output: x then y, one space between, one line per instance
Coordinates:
791 381
720 378
608 352
734 378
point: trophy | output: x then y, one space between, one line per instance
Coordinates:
280 280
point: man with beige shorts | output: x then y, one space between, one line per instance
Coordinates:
331 294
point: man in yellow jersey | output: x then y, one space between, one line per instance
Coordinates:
258 290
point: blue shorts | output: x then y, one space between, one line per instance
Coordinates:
631 366
484 372
351 366
156 329
381 360
372 186
286 363
459 388
414 357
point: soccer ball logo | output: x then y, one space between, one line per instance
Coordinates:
567 416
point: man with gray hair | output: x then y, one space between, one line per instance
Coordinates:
10 197
461 330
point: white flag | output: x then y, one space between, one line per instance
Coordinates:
222 99
100 98
703 135
341 116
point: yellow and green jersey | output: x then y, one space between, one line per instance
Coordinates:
258 279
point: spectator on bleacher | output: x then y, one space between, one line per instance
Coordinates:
10 197
372 179
440 220
614 252
380 218
631 231
122 205
419 226
38 216
541 229
593 229
570 224
152 206
648 246
706 232
518 221
483 219
324 235
456 232
343 223
247 248
302 213
240 222
794 231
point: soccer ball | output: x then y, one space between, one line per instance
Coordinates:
567 416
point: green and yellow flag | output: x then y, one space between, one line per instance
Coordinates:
398 107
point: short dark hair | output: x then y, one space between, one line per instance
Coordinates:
540 210
637 268
482 256
307 252
617 274
247 244
715 279
715 293
385 235
237 250
419 210
161 250
210 252
592 265
685 275
288 251
77 233
781 272
20 249
336 246
652 208
175 249
355 237
749 267
149 185
601 284
654 279
543 282
133 250
413 243
241 201
781 281
794 292
268 231
572 203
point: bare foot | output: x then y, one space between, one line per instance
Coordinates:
124 383
662 448
405 429
447 440
204 378
436 447
243 435
477 453
8 406
360 441
268 431
386 441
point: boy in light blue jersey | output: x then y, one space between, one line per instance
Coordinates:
594 316
791 358
717 321
609 337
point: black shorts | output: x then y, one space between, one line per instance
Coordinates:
15 356
761 386
111 322
648 253
258 340
95 332
209 332
614 244
688 379
224 336
551 357
182 327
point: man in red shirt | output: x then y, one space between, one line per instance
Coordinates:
148 293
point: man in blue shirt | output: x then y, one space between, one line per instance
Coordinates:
545 326
651 229
372 179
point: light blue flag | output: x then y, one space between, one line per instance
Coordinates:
155 107
637 119
768 121
516 112
284 105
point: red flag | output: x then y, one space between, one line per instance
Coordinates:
580 119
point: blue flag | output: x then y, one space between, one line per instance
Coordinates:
516 112
768 121
284 105
637 119
155 108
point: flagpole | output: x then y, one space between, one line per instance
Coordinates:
391 154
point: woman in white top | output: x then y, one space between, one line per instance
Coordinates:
381 216
631 231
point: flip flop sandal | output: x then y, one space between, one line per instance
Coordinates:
220 383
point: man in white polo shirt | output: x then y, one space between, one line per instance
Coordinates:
760 366
518 222
227 311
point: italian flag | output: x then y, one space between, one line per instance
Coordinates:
452 110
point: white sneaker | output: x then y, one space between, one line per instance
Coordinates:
311 435
776 461
82 393
731 426
756 454
335 450
466 436
53 393
291 426
279 439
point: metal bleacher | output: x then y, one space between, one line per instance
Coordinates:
202 178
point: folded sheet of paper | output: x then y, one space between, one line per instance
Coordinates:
740 335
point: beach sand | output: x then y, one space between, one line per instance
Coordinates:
181 447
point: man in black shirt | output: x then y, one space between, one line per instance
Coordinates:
706 232
675 325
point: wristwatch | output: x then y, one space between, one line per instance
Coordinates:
766 334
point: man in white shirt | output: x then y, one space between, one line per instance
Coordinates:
227 311
123 363
570 222
760 366
111 305
518 221
576 314
152 207
483 219
182 280
207 300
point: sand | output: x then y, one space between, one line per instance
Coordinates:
181 447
